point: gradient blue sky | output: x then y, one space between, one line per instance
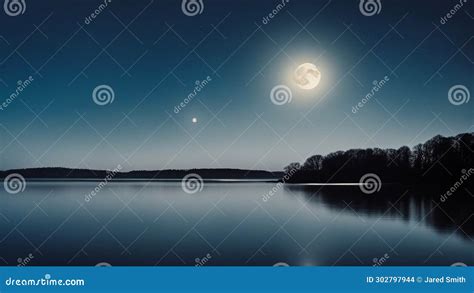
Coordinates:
245 63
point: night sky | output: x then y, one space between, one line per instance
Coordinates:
151 54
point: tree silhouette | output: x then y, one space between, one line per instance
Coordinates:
439 159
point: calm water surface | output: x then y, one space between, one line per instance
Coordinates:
140 223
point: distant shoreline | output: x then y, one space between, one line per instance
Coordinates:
215 180
440 160
116 175
124 180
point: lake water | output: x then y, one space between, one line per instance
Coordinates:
157 223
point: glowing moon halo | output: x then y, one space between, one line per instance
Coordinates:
307 76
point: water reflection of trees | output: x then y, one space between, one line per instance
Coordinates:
415 204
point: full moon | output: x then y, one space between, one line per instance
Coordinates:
307 76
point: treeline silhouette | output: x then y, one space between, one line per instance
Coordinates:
438 160
67 173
